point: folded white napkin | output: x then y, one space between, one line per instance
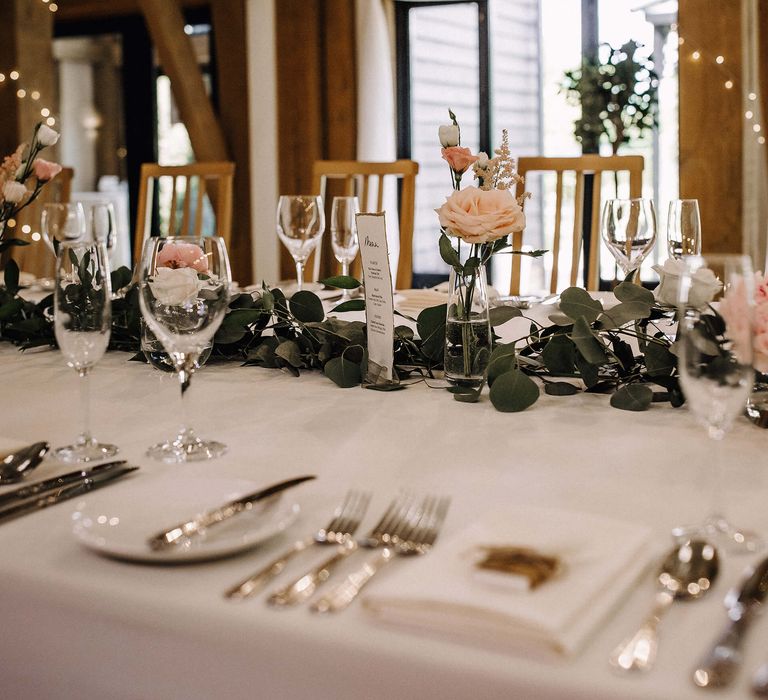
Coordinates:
443 592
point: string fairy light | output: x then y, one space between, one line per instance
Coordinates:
721 64
22 93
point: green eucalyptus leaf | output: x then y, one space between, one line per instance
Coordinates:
513 391
659 361
386 387
306 306
351 305
11 276
588 345
560 389
589 372
430 326
343 372
624 313
629 291
341 282
502 360
632 397
229 334
448 252
404 332
11 308
499 315
289 351
121 277
576 303
558 354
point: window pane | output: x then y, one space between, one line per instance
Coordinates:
444 73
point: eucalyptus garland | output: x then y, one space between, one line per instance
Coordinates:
586 348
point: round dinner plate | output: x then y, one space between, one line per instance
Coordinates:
118 522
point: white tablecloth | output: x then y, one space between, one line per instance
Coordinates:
78 625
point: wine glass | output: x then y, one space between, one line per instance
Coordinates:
714 350
183 294
300 226
344 233
629 230
82 323
62 222
101 225
684 228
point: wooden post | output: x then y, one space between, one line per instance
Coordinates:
711 120
166 27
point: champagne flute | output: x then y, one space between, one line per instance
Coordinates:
184 286
82 317
715 363
300 226
101 225
62 222
684 228
344 234
628 228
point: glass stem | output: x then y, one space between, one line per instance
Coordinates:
299 276
716 474
85 406
345 295
185 377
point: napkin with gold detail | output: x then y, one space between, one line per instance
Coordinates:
530 575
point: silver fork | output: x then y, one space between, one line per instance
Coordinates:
413 531
335 532
304 586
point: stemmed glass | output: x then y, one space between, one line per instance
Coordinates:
684 228
102 226
628 228
344 233
62 222
715 362
82 317
183 294
300 226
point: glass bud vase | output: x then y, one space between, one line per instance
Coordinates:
468 337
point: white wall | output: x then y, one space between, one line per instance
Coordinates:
262 95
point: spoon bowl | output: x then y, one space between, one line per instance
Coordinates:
686 573
15 466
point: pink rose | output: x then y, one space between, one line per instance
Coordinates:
44 170
736 313
480 216
177 255
458 158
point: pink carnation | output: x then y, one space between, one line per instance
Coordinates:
44 170
481 216
458 158
177 255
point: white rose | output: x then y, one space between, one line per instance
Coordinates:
449 135
47 136
14 192
704 284
175 286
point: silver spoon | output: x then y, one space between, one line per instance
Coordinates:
686 573
14 466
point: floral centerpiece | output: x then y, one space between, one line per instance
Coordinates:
482 218
22 177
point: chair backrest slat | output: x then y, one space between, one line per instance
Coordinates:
182 177
583 165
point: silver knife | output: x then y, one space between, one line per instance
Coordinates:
195 526
86 484
719 667
55 482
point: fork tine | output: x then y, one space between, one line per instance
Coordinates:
338 514
392 515
429 537
419 523
409 519
353 514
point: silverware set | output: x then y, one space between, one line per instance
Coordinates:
687 573
408 526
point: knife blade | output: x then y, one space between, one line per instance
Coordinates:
195 526
55 482
719 667
86 484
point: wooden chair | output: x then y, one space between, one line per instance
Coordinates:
183 217
37 258
357 182
589 164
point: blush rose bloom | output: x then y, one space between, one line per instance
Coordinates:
481 216
735 312
44 170
458 158
175 286
180 255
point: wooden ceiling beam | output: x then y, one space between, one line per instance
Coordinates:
77 10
